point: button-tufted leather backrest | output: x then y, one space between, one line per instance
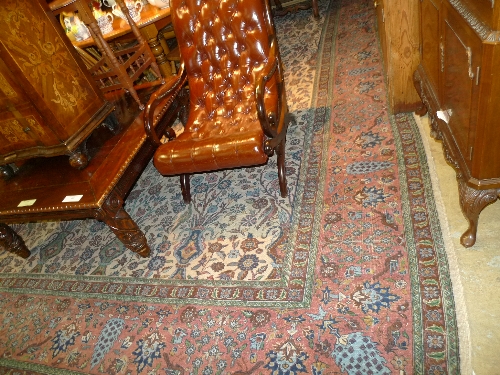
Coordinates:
221 43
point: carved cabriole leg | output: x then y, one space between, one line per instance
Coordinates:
12 242
472 202
122 225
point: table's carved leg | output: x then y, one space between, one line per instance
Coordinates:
472 202
122 225
12 242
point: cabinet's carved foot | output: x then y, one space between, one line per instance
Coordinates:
122 225
79 158
421 111
12 242
472 202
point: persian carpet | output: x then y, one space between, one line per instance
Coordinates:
348 275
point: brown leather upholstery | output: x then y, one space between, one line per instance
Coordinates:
227 48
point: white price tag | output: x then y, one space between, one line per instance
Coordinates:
72 198
29 202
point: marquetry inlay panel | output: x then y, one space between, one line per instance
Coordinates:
15 132
41 55
6 88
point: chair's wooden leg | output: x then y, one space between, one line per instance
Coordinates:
315 8
186 190
280 152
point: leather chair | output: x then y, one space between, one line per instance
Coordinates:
238 115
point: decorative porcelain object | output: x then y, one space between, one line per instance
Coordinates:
160 3
134 8
104 20
76 27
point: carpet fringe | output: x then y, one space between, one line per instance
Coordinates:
465 346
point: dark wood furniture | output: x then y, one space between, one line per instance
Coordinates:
399 39
151 22
458 80
41 189
49 103
238 114
116 69
280 10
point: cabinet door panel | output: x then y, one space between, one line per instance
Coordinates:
459 91
430 40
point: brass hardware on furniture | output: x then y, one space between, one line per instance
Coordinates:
441 48
469 59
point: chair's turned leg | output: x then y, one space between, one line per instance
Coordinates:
12 242
186 192
281 168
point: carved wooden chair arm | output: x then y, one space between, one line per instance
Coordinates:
164 96
273 125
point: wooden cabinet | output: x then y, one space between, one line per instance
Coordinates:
459 83
399 39
49 104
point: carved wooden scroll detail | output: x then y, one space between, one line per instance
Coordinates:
12 242
122 225
472 202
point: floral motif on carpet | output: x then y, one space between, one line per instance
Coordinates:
347 275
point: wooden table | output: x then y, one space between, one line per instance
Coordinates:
44 184
152 20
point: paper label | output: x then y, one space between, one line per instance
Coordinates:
444 115
29 202
72 198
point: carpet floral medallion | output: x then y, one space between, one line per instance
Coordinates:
348 275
